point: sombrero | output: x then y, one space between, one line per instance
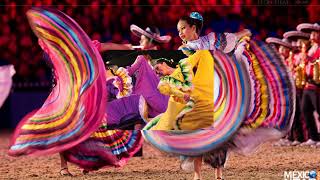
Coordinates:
308 27
295 35
152 35
283 42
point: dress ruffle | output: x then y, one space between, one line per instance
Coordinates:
105 148
254 102
75 107
6 73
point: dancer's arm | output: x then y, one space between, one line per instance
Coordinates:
140 61
178 84
168 90
226 42
114 46
110 46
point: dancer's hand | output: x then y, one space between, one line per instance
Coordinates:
97 44
186 97
178 99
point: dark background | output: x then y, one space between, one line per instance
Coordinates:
126 58
109 21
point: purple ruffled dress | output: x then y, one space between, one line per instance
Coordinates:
111 148
125 110
146 85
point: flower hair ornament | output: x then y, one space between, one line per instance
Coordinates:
165 60
196 15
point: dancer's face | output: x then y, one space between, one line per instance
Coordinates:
284 51
315 37
186 32
162 69
299 44
145 42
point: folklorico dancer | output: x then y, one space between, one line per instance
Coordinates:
251 112
145 80
313 29
311 93
300 40
72 121
283 46
150 39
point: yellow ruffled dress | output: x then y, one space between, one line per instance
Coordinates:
195 77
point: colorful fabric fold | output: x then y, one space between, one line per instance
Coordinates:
254 102
231 105
125 84
126 110
6 73
273 102
105 148
75 107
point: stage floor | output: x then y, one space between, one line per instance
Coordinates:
267 163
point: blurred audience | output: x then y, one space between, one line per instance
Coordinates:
110 21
